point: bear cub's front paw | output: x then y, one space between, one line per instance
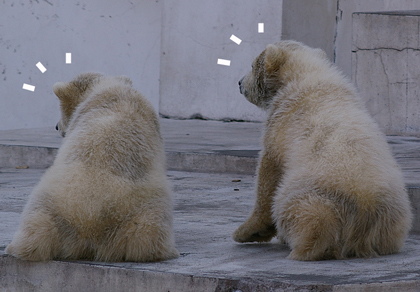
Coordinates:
249 232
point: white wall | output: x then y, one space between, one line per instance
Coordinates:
195 34
112 37
169 48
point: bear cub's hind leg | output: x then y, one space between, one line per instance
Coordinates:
310 225
36 240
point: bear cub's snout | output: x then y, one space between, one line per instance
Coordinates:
241 90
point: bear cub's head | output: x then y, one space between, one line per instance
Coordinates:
73 93
274 68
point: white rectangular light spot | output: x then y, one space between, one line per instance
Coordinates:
260 27
223 62
68 58
28 87
235 39
41 67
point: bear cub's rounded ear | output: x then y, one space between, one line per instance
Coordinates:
126 80
59 88
321 53
274 58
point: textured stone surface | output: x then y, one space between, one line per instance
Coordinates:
207 209
386 58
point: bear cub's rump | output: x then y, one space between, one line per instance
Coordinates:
106 196
327 182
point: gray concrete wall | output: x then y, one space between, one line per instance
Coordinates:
195 34
386 62
112 37
169 48
343 43
311 22
126 38
327 24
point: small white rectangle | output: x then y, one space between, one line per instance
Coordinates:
223 62
68 58
260 27
28 87
41 67
235 39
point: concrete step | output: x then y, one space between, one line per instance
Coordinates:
201 146
209 205
207 209
191 145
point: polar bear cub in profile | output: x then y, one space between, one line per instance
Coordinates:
327 182
106 197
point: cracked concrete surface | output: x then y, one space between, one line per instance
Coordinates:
386 58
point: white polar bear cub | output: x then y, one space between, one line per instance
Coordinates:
327 182
106 197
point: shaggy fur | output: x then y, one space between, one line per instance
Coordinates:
327 182
106 197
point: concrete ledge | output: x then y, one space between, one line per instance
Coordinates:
191 145
199 146
78 276
17 275
43 157
208 207
84 276
212 162
22 156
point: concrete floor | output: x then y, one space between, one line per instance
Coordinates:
208 207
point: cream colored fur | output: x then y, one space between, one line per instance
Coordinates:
106 197
327 182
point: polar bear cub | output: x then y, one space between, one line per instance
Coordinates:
327 182
106 197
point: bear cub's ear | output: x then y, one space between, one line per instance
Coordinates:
59 89
126 80
274 59
321 54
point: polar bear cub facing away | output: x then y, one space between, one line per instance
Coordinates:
327 182
106 196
